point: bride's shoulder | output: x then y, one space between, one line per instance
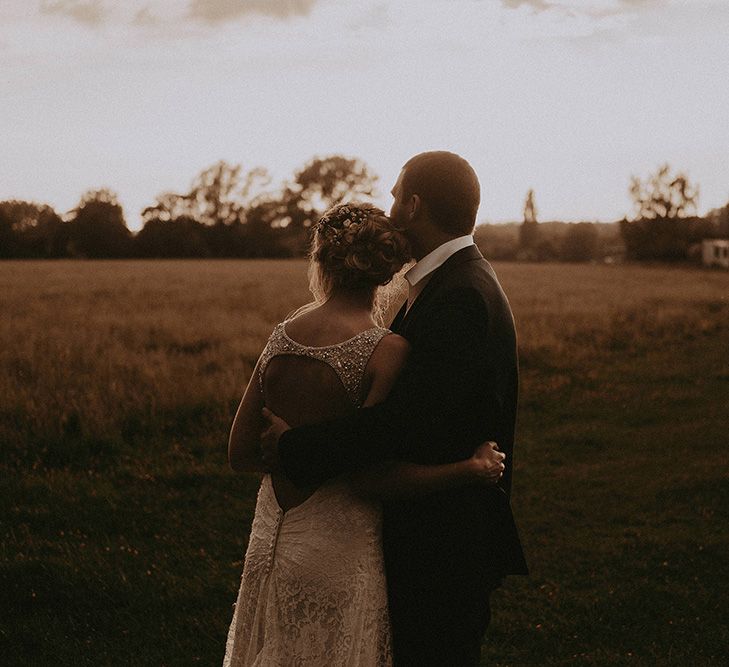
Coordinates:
384 367
395 341
391 349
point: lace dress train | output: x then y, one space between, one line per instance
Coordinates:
313 588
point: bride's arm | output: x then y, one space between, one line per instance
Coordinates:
392 479
244 452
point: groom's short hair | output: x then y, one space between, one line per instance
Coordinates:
448 186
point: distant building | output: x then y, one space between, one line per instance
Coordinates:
715 252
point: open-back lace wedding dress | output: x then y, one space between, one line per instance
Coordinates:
313 585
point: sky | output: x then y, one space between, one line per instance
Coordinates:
569 97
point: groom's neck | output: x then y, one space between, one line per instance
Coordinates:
428 240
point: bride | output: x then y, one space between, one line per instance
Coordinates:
313 586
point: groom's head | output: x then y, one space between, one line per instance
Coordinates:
436 188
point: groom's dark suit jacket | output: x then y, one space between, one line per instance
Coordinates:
458 389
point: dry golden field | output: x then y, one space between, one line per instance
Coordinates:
93 346
123 530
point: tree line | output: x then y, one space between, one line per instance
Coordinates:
230 212
664 227
227 212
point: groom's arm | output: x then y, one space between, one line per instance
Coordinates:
433 404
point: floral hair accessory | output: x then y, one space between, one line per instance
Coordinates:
340 219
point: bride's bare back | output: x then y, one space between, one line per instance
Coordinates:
302 391
317 368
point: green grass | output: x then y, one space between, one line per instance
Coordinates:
123 532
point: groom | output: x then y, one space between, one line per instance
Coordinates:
445 552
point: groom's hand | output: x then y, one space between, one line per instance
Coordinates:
270 438
488 463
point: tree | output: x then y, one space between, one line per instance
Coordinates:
241 219
219 195
266 237
529 230
498 241
212 214
323 182
29 229
580 243
168 206
8 245
661 229
182 237
97 227
317 186
662 196
530 209
720 218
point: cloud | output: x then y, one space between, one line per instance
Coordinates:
538 5
221 11
628 7
589 7
88 12
641 3
375 18
164 14
144 17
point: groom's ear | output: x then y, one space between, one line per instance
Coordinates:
415 205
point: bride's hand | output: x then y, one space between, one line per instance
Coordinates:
487 463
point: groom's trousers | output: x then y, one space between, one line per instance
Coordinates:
438 631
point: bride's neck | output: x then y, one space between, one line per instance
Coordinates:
351 300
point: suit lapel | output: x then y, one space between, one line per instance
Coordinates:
467 254
397 322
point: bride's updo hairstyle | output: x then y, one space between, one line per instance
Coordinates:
355 247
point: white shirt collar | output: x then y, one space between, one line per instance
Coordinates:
437 258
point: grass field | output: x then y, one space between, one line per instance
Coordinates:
123 531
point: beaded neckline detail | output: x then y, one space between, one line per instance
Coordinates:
324 347
348 358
